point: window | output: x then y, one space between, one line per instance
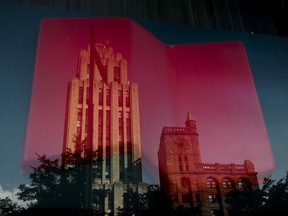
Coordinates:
86 121
211 183
213 198
227 183
108 124
216 212
120 117
180 163
100 128
244 183
100 97
128 127
185 182
107 96
120 98
80 98
87 95
117 74
88 73
79 117
127 98
186 163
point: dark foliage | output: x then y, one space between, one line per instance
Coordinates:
153 203
56 188
8 207
271 199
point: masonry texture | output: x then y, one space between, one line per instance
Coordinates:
188 181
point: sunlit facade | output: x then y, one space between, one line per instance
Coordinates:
190 182
102 116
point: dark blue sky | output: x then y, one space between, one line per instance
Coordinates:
19 26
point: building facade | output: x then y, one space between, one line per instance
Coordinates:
190 182
102 115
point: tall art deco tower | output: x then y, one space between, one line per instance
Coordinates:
102 113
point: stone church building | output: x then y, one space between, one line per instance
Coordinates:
188 181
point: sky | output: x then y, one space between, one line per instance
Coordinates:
266 55
213 81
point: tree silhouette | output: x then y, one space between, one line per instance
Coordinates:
43 192
56 187
8 207
245 202
154 202
277 197
271 199
133 203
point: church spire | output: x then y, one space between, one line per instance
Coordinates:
190 121
190 117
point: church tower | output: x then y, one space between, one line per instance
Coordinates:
189 182
178 156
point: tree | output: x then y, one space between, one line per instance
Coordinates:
8 207
271 199
56 187
134 203
245 202
277 197
43 192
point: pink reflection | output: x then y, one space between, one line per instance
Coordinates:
211 80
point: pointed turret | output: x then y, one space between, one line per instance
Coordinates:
190 121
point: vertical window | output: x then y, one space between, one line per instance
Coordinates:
128 127
108 145
244 183
100 131
227 183
86 121
116 74
120 98
216 212
88 73
79 122
108 97
100 96
127 98
80 98
120 126
87 95
180 163
186 163
211 183
107 125
213 198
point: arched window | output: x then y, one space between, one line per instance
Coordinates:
244 183
211 182
185 182
227 183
